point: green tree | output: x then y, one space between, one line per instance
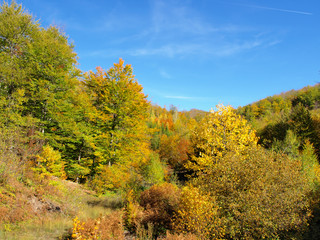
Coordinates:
290 145
40 85
301 123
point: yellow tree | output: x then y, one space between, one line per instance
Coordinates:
119 119
220 132
256 193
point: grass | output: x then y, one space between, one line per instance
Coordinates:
49 228
73 200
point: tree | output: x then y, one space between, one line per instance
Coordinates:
301 123
220 132
38 79
257 193
119 118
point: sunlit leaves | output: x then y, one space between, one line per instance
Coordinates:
220 132
119 118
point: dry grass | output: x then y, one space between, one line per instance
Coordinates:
46 211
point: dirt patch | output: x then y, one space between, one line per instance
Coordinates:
40 205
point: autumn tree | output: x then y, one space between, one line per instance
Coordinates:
220 132
257 194
119 120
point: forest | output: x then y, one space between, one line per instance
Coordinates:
86 155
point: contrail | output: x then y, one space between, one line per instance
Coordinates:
282 10
279 9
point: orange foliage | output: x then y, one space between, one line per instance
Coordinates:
107 227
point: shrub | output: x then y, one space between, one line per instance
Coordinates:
188 236
50 162
107 227
198 214
159 203
153 170
133 213
261 194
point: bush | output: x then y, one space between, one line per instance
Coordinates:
260 195
133 213
50 163
188 236
159 204
107 227
198 214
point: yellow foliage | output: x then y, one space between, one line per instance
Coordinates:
198 214
106 227
133 212
50 162
220 132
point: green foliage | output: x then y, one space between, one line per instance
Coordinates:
310 165
308 97
301 123
39 85
290 145
273 132
153 171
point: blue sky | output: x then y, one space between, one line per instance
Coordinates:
195 53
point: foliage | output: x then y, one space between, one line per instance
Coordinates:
133 213
260 194
95 128
170 134
106 227
301 123
198 213
153 172
220 132
49 161
120 109
174 151
188 236
310 165
159 203
289 146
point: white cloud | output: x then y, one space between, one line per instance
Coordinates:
177 30
178 18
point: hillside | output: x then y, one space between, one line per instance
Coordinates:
309 97
33 208
85 155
